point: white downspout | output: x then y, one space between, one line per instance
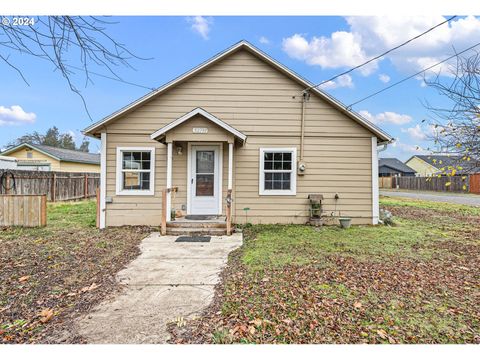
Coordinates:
103 179
169 181
375 192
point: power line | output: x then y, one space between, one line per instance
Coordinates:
383 54
411 76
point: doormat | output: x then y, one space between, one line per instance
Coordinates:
193 239
201 217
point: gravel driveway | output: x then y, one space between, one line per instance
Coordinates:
463 199
168 281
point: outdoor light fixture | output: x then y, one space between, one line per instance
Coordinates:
179 150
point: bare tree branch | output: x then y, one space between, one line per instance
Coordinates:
456 123
68 42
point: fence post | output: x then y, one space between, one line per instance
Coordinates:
43 214
86 185
7 184
53 186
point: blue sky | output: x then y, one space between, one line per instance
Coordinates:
315 47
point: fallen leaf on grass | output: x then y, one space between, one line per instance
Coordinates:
46 315
24 278
90 288
256 322
382 333
357 305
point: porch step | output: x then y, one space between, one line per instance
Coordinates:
191 231
196 224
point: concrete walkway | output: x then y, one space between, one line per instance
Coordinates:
463 199
167 281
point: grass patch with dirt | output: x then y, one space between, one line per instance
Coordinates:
415 282
52 274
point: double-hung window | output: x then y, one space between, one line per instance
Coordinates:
135 170
278 171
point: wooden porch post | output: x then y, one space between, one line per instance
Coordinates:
229 189
169 181
163 227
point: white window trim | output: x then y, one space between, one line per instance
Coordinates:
119 190
293 177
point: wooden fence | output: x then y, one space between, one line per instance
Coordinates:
385 182
58 186
444 183
23 210
475 183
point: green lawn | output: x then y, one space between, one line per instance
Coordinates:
61 270
415 282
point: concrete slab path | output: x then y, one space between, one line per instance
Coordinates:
168 280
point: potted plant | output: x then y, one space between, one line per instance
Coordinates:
345 222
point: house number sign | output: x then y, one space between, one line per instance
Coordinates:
200 130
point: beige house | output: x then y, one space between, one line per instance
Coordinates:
240 127
48 158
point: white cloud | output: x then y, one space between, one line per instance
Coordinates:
415 132
201 25
264 40
342 49
369 36
341 81
386 117
15 115
384 78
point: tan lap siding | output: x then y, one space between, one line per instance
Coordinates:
334 165
127 209
247 94
265 105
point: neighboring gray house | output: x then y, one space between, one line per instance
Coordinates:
393 167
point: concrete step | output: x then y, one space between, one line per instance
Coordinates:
191 231
196 224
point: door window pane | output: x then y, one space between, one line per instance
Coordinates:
205 162
204 185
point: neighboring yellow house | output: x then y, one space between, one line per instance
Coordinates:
48 158
421 167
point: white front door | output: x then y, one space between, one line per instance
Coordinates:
205 193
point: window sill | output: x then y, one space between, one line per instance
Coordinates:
277 192
135 193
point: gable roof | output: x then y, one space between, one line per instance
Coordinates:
59 154
206 115
395 164
444 161
245 45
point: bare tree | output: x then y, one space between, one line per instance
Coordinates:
456 124
68 42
